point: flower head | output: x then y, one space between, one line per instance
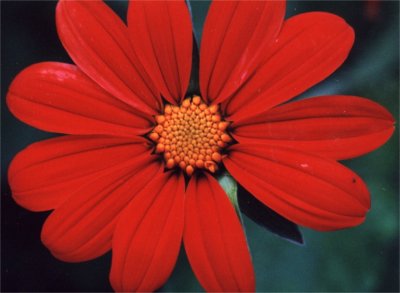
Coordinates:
191 136
135 171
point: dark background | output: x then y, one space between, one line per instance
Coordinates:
365 258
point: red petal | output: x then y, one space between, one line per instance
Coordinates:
58 97
310 47
161 34
46 173
81 228
235 38
214 239
311 191
339 127
97 41
148 236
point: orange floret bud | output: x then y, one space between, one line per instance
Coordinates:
216 157
189 170
160 119
196 100
213 109
226 138
160 148
154 136
170 163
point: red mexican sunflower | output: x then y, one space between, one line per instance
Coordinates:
136 171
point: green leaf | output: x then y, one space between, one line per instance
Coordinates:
230 187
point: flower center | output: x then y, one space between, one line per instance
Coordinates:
191 136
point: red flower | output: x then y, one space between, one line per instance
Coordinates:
128 119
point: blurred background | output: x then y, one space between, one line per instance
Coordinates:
365 258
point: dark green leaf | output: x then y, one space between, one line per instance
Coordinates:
267 218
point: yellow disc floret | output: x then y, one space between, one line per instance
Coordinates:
191 136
